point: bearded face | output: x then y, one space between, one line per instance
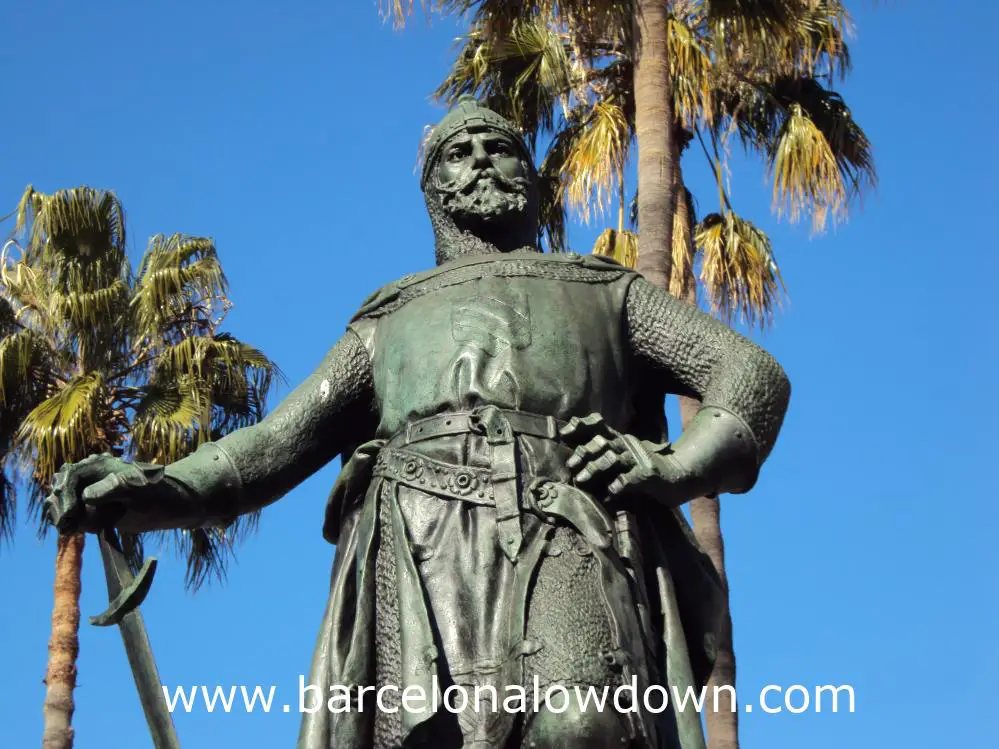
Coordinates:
482 181
482 193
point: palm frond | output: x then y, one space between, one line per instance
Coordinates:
736 23
682 268
170 422
526 76
816 44
67 426
596 156
220 359
820 159
546 75
8 503
691 68
738 271
27 207
84 311
208 551
241 375
780 37
187 358
203 388
239 389
400 11
8 317
621 246
28 292
25 364
180 284
469 73
78 235
551 210
610 16
805 172
847 142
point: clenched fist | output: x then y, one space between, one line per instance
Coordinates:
92 494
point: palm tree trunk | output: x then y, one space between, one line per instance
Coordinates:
722 718
64 645
656 148
660 184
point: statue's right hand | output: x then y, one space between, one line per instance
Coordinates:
92 494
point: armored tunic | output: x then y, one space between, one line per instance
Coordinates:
465 554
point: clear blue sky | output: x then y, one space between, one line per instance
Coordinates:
867 553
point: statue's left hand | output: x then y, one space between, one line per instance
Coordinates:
623 462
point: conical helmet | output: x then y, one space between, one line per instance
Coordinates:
472 117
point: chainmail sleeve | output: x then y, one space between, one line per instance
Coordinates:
311 426
699 356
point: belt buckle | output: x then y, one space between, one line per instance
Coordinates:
491 423
476 425
480 418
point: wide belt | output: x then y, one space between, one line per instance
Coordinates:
545 498
462 422
500 428
447 480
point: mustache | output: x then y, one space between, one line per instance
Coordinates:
508 184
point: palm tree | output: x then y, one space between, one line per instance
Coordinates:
750 69
95 358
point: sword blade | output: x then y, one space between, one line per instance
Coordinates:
147 681
137 648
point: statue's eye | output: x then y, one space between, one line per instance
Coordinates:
456 154
499 148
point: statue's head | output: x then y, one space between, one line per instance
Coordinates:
480 184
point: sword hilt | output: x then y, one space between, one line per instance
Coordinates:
125 591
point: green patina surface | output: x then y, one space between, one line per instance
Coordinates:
508 508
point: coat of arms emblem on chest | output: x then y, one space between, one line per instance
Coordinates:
492 322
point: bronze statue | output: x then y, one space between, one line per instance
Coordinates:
507 514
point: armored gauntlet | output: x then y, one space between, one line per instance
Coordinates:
102 490
716 453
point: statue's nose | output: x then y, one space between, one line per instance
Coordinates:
479 154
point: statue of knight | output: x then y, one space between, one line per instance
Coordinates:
507 516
